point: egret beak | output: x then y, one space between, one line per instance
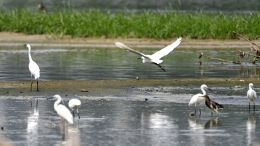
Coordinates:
210 89
49 98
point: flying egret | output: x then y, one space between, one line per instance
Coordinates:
33 67
251 95
74 104
212 105
154 58
196 99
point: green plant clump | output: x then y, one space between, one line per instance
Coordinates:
146 24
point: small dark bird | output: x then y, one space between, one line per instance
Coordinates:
201 54
41 7
145 99
212 105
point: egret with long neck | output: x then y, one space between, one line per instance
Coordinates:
198 98
33 67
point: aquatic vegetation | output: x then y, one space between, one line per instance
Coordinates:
146 24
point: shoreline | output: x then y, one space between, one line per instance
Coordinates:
116 88
17 39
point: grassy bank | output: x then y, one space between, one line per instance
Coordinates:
95 23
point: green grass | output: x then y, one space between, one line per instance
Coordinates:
97 23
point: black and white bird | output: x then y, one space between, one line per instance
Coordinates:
212 105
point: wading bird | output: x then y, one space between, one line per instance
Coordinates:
251 95
74 104
154 58
33 67
212 105
63 112
196 99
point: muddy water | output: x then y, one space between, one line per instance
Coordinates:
114 64
128 121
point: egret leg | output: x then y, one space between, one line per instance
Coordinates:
160 66
254 106
37 85
31 85
200 111
249 106
73 114
78 113
195 112
63 129
37 104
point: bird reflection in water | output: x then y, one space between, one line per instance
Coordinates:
213 123
32 123
250 128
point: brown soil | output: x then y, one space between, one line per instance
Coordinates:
111 88
7 38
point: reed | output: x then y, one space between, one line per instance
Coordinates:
146 24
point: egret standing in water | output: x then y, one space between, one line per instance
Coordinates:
251 95
74 104
155 58
33 67
212 105
63 112
196 99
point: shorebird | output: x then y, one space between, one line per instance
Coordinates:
74 104
33 67
154 58
198 98
251 95
212 105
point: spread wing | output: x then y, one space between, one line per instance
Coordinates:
123 46
165 51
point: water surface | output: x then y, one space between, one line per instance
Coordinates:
128 121
114 64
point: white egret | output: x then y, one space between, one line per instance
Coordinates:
62 110
154 58
251 95
74 104
33 67
212 105
196 99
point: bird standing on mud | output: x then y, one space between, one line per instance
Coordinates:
154 58
212 105
198 98
251 95
33 67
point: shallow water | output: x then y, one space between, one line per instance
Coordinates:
114 64
127 121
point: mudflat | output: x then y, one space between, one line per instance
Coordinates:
112 88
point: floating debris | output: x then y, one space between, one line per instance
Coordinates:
83 90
